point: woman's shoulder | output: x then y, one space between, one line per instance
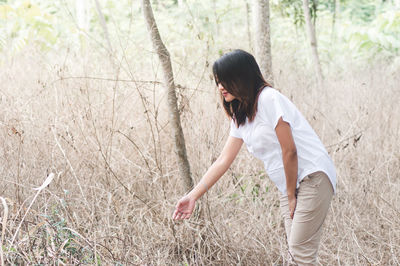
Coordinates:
267 94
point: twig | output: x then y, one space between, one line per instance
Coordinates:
137 148
343 140
110 79
39 189
69 164
3 231
390 205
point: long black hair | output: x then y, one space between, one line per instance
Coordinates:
240 75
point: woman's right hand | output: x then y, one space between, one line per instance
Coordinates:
184 208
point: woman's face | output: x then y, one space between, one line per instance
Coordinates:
227 96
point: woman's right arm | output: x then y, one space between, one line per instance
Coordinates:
185 206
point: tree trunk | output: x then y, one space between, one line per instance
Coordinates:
249 39
174 117
334 20
82 14
216 19
104 26
263 40
313 41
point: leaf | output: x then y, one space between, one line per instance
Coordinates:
366 45
46 182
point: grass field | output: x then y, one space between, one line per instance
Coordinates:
116 181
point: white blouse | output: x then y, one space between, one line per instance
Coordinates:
261 140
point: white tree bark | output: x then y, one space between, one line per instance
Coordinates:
248 11
104 26
313 41
335 11
82 14
217 26
262 42
174 116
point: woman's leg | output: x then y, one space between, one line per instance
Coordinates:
304 231
313 201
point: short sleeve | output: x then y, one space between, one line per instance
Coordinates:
234 132
275 105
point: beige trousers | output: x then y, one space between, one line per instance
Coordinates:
304 231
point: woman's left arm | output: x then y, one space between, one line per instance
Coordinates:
289 157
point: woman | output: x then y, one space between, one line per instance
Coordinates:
275 132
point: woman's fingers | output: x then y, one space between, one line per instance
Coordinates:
177 211
180 215
292 212
292 207
175 215
183 209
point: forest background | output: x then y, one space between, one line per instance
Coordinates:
89 173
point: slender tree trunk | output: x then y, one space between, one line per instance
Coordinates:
214 7
314 5
248 10
174 117
313 41
262 39
334 20
82 21
82 14
104 26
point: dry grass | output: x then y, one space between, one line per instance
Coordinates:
117 183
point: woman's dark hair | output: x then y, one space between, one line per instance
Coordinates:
240 75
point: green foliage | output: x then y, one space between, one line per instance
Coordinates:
362 11
378 39
364 29
65 240
361 31
251 187
294 9
26 23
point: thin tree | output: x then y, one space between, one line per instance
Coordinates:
249 38
174 116
335 11
216 17
262 39
104 26
313 41
82 14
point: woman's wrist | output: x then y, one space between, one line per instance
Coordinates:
198 191
291 191
194 194
291 196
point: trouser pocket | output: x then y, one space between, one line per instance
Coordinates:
313 180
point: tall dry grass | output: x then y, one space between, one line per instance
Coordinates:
116 180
